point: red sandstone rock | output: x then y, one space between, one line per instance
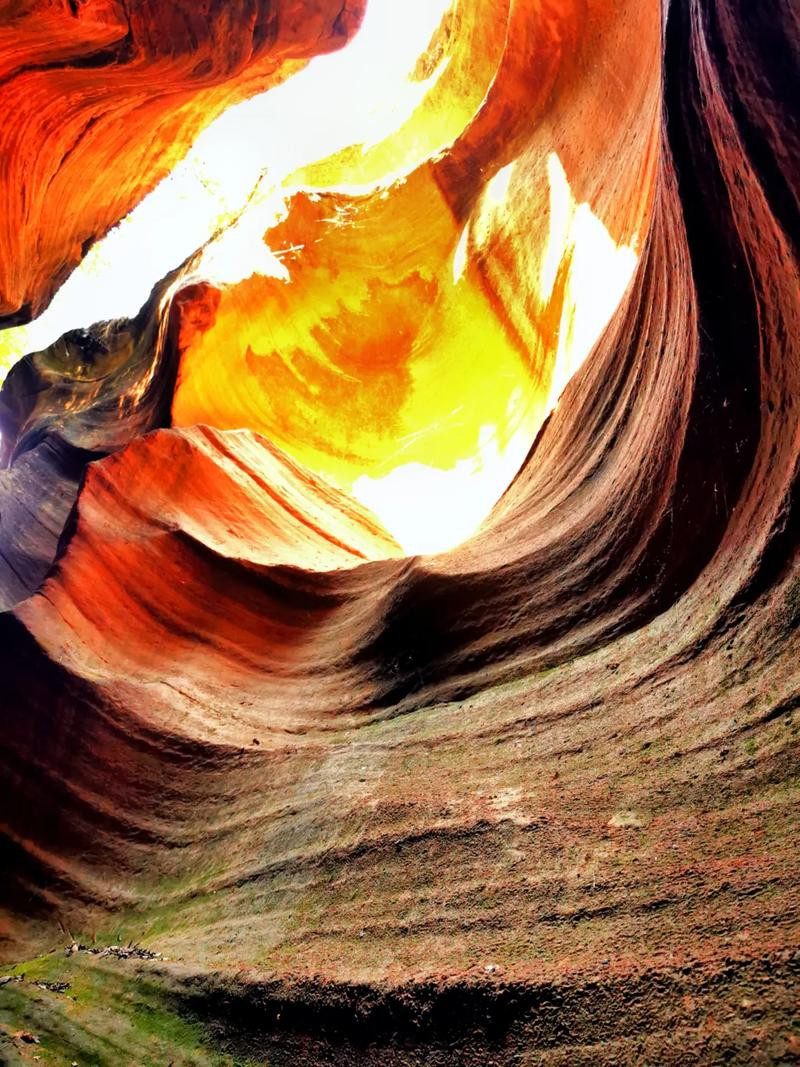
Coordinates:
103 97
532 799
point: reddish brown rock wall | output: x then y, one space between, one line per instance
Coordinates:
531 801
102 98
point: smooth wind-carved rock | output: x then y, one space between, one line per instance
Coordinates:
529 800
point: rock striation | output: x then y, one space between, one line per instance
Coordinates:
121 87
530 800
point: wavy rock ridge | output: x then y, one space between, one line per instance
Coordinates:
530 800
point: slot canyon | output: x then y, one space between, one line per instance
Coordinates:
399 524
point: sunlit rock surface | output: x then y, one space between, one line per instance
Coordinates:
103 97
532 799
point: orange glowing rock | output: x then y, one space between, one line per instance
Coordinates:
408 327
371 357
132 595
102 87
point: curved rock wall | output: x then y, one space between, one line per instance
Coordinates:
107 95
530 800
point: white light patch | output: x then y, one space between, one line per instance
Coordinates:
562 209
460 256
600 272
428 509
492 204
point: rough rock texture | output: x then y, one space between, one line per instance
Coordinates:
532 801
102 88
89 394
